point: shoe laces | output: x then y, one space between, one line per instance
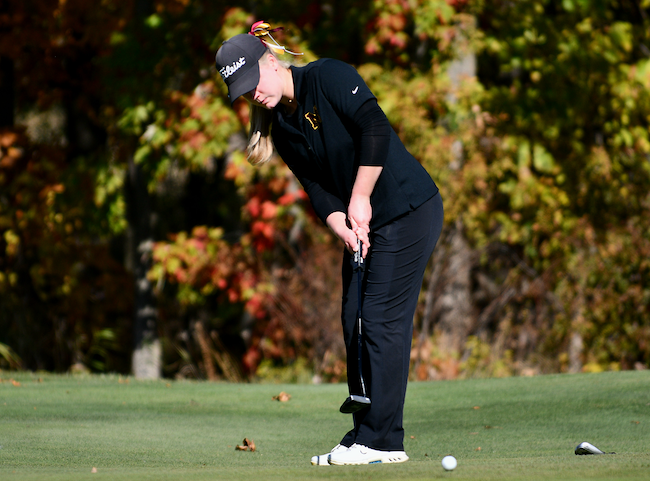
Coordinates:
362 449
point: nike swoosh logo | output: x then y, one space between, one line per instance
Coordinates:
356 89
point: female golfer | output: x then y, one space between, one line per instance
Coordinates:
364 185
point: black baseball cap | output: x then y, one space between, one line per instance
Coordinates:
236 61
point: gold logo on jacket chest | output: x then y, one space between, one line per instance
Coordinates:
313 118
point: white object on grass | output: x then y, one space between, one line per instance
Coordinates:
588 448
449 463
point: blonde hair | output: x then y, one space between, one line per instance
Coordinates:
260 145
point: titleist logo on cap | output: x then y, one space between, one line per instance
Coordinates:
228 70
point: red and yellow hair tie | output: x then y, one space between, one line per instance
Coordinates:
263 30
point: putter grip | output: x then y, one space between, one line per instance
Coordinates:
358 258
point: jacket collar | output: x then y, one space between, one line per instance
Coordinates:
299 89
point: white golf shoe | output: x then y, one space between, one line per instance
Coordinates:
359 454
324 459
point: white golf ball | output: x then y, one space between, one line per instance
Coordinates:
449 463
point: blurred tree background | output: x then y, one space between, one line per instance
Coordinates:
136 238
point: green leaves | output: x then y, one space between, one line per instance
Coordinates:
154 21
570 168
544 151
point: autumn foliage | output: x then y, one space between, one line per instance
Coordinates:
119 152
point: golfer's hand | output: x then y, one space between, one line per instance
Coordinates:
359 215
337 222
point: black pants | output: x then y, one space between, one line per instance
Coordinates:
392 280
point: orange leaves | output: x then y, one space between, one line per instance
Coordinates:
8 138
252 358
10 149
193 128
203 261
264 209
204 264
397 23
269 210
292 197
49 193
263 215
175 7
247 445
389 27
13 382
283 397
264 232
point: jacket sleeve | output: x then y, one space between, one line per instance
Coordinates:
375 132
343 87
323 202
356 106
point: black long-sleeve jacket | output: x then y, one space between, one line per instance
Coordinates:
320 142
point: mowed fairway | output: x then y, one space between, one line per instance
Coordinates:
60 427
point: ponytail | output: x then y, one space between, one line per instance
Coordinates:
260 145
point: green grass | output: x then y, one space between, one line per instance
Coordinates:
60 427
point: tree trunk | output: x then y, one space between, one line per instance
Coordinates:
6 92
455 303
456 315
146 359
463 66
146 362
576 344
7 76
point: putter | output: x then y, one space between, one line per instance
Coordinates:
357 402
588 448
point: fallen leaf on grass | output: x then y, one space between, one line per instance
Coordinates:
476 407
283 397
478 449
247 445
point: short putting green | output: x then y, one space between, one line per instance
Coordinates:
61 427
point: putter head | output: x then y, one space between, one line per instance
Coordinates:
354 403
587 448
